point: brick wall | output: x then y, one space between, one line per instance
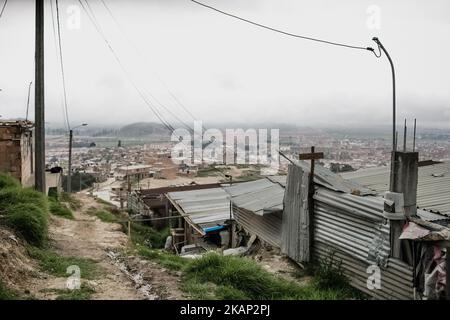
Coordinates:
16 152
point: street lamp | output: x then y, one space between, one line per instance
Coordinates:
394 131
69 175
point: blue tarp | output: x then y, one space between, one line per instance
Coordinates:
215 228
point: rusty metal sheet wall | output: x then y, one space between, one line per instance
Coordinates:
396 277
267 228
295 226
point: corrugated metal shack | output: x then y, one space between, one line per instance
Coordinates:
350 228
153 203
258 207
349 225
203 211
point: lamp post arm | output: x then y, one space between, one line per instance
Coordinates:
394 109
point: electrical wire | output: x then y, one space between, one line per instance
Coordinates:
151 95
57 58
174 97
135 48
281 31
89 12
142 96
3 8
58 24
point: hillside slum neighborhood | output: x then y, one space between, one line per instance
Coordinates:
369 220
353 218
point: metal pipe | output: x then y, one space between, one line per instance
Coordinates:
394 110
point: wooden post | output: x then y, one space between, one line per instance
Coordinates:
69 171
129 229
447 273
311 156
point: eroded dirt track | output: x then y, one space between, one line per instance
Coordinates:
121 276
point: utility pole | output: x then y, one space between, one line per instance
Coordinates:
69 173
39 120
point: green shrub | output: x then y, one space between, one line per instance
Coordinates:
13 195
74 203
7 181
145 235
107 216
30 221
166 260
243 277
328 273
5 293
59 209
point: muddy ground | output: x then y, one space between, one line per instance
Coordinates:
120 276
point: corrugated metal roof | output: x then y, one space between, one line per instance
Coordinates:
433 190
278 179
260 197
333 181
206 208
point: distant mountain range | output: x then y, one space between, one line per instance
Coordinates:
143 129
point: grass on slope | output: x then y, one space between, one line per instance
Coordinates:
5 293
25 210
60 209
56 265
235 278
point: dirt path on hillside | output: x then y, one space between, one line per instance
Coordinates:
121 277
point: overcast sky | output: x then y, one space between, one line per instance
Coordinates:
225 70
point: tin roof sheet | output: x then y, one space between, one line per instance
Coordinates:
260 197
433 189
206 207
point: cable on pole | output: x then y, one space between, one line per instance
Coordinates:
157 76
88 10
281 31
58 24
151 95
57 58
3 8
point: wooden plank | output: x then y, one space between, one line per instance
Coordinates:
311 156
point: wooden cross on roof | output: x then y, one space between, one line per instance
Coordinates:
312 156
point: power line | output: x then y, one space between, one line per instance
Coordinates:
175 98
93 19
3 8
102 35
57 58
161 117
62 65
281 31
138 52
